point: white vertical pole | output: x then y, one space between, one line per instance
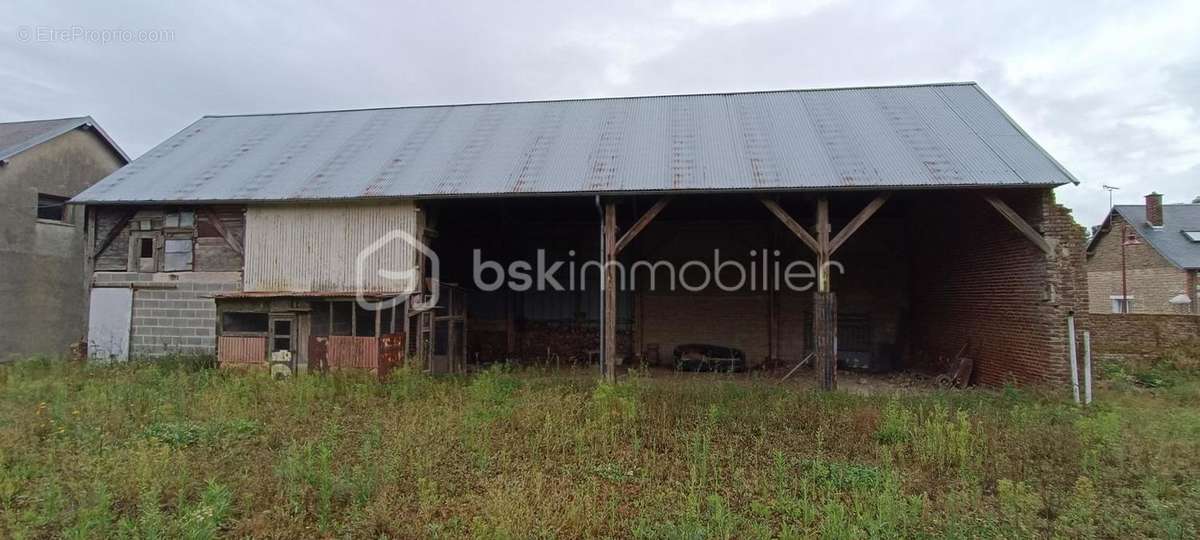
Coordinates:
1071 348
1087 367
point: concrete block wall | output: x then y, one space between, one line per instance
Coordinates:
173 316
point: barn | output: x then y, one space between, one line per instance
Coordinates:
876 228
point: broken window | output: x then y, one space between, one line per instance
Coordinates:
51 207
234 322
146 248
143 251
177 255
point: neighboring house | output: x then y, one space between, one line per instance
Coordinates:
43 282
250 235
1145 259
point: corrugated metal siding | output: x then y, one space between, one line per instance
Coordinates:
241 351
905 136
348 352
313 248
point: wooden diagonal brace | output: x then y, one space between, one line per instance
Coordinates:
215 220
642 222
792 225
117 229
857 222
1017 221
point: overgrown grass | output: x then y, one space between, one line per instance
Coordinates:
178 450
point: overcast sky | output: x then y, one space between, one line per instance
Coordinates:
1110 89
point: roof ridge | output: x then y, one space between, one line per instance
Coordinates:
80 118
610 98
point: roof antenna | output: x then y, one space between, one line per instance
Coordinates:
1110 189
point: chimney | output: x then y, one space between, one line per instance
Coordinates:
1154 215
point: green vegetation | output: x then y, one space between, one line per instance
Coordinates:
175 449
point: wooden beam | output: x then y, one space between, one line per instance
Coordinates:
792 225
1017 221
858 221
215 220
641 224
822 226
609 354
112 234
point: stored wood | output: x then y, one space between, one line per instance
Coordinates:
641 223
825 339
1017 221
215 220
858 221
791 224
610 292
116 231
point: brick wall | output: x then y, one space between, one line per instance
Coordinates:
1140 336
977 281
172 316
1150 278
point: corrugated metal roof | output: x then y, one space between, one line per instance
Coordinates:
937 135
1169 241
17 137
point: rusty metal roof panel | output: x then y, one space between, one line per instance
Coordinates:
883 137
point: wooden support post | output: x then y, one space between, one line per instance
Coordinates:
822 227
510 324
1017 221
824 305
609 354
825 339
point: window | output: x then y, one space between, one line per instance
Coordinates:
143 252
51 207
233 322
146 248
281 335
179 218
1121 304
177 255
1192 235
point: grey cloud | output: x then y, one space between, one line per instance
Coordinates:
279 56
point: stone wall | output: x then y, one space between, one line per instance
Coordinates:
1140 336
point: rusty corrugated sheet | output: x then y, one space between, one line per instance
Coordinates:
344 352
939 135
391 353
241 351
312 248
